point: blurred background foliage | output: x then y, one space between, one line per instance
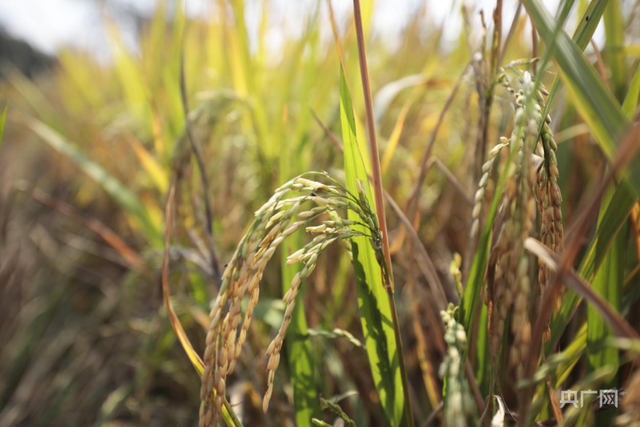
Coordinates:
88 154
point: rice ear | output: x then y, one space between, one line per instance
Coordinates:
228 325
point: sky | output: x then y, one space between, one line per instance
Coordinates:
52 24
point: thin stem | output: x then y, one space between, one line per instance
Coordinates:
197 152
379 196
373 139
497 37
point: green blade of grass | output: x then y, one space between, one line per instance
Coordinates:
240 53
589 22
614 54
582 36
112 186
631 101
608 283
375 311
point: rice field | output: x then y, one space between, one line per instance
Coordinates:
338 229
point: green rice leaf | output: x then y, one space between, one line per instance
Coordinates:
631 101
608 283
614 56
582 36
375 312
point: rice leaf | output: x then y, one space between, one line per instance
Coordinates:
118 191
582 36
631 101
608 283
614 56
132 80
589 22
375 312
248 74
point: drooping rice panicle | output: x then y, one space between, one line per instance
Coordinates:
509 285
278 218
549 198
